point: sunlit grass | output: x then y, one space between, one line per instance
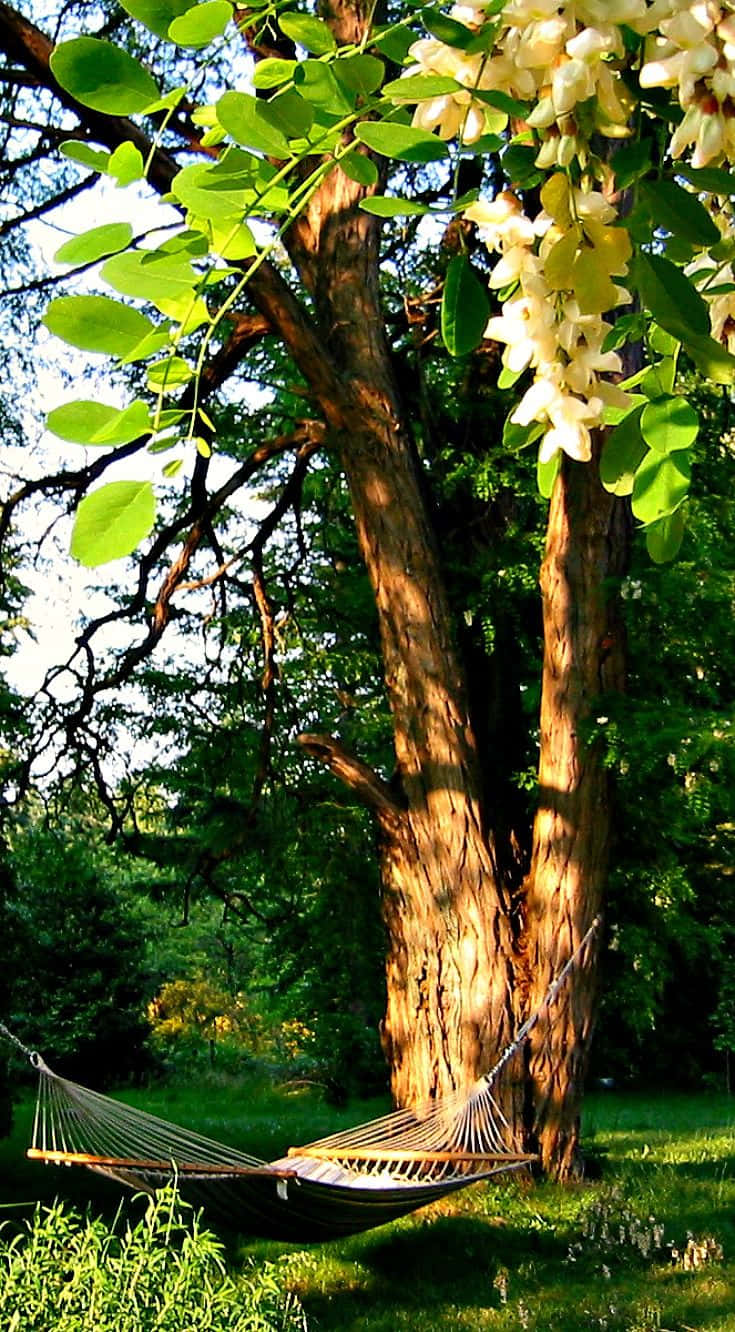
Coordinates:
505 1256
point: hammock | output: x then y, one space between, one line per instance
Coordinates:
348 1182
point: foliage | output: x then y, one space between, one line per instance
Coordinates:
71 1274
557 274
75 966
670 743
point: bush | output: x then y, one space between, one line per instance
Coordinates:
66 1273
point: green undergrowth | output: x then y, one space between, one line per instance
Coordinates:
60 1272
647 1245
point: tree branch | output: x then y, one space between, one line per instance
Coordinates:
362 780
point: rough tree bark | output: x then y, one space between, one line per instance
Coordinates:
587 548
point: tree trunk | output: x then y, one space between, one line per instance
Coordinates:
449 967
586 553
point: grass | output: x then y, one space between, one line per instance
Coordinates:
648 1246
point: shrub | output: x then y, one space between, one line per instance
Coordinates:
164 1273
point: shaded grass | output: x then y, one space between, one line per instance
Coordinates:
505 1256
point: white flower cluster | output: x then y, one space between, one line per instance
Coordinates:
693 50
554 55
542 324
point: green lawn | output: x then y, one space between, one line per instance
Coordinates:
506 1256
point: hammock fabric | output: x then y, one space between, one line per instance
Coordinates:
348 1182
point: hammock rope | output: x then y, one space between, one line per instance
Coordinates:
348 1181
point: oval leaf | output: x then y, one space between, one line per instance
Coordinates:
664 538
97 324
95 244
158 15
622 454
112 521
679 211
359 168
668 424
81 152
96 424
200 25
416 87
102 76
383 205
311 33
126 164
272 72
402 142
670 297
465 308
246 119
660 485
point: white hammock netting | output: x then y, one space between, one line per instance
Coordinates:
346 1182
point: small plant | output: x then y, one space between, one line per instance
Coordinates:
696 1253
613 1229
67 1273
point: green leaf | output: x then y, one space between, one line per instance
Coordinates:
714 360
95 244
313 34
363 74
82 153
97 324
289 113
158 15
167 280
272 72
394 42
709 180
622 454
95 423
447 30
233 240
668 424
630 162
102 76
465 307
402 142
661 483
628 328
546 474
317 84
245 118
150 345
199 26
519 165
112 521
679 211
664 538
359 168
170 374
382 205
670 297
173 467
126 164
419 86
500 101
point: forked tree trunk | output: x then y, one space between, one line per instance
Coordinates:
586 553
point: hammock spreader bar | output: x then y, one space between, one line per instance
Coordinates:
347 1182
